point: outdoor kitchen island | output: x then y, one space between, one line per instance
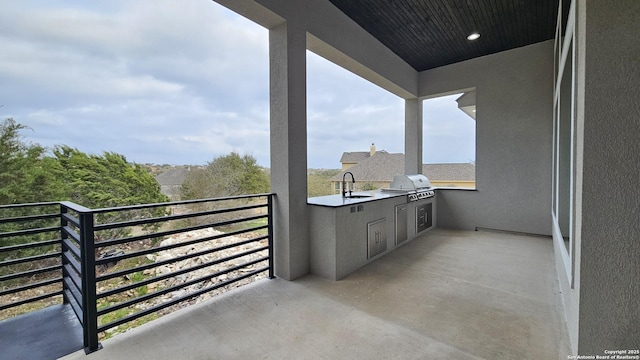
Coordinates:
347 233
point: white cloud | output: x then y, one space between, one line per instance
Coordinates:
118 75
348 113
449 134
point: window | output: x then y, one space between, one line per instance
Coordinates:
347 114
449 140
563 143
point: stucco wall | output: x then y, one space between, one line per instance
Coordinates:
513 140
609 200
288 113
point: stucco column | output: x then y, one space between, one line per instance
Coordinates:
287 66
607 205
413 136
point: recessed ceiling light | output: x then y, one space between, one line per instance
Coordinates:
473 36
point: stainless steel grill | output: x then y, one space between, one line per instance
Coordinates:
416 186
410 182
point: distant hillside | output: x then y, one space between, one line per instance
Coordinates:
318 181
171 177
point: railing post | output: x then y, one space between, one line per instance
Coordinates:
270 234
63 235
89 306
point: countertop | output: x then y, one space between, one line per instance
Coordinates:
337 200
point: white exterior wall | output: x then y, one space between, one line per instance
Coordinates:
513 140
607 280
413 136
288 99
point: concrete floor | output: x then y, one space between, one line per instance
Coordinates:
446 295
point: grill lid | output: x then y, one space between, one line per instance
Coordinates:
410 182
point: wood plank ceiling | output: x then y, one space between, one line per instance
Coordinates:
433 33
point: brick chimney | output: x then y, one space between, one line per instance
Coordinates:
372 149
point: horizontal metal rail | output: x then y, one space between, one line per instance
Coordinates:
29 300
28 205
30 272
75 305
28 218
29 232
29 259
30 286
71 219
72 276
29 245
69 246
73 290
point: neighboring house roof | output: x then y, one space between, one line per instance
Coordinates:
450 172
354 157
383 166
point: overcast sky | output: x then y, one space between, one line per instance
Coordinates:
182 82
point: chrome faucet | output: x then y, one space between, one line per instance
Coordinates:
344 183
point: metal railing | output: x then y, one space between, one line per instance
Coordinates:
119 265
29 254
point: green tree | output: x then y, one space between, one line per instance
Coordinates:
108 180
227 175
26 174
